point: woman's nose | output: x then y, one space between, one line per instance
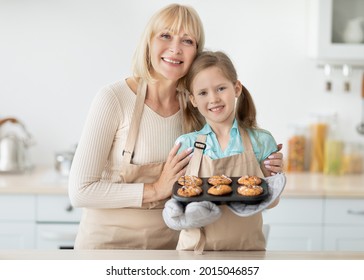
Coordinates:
175 48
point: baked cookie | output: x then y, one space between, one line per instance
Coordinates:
189 191
249 180
252 190
188 180
219 180
220 190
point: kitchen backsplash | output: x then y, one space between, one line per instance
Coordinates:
52 68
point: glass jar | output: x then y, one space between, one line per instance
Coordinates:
352 159
334 147
318 138
296 149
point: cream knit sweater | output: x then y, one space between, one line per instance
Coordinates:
94 179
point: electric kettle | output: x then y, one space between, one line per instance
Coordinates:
14 147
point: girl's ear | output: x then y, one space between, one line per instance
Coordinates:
192 99
238 88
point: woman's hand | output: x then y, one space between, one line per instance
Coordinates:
274 163
174 168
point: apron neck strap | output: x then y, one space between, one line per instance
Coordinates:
128 151
246 139
194 166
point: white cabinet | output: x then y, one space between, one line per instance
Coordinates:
17 222
57 222
344 225
327 224
37 222
328 23
295 225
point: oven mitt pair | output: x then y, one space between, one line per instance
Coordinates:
199 214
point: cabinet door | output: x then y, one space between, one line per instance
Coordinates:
17 235
295 238
17 222
344 238
56 208
328 21
295 225
344 225
56 236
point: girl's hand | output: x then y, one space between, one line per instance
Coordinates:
174 168
274 163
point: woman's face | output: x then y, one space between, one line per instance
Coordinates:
214 96
172 54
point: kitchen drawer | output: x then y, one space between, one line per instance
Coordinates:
17 208
17 235
56 208
56 236
344 211
344 238
295 238
295 211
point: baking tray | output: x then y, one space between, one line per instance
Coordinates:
233 196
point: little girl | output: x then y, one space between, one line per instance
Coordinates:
232 145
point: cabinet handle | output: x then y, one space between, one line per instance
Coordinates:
69 208
352 212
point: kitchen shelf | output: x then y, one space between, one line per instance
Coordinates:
327 20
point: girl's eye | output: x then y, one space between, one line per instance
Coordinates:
202 93
219 89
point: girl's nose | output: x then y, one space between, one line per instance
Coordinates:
214 98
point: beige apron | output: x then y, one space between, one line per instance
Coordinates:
129 228
230 232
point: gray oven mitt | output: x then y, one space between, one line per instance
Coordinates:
193 215
276 185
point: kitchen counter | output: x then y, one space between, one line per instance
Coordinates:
39 180
45 180
175 255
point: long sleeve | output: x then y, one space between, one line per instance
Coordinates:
95 179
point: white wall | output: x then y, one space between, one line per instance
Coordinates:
55 55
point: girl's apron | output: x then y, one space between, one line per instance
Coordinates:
229 232
129 228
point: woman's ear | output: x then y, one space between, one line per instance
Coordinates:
238 88
192 99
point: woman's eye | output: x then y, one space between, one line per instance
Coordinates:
189 42
165 36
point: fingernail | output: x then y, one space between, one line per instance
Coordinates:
267 166
189 149
266 162
272 156
190 155
177 143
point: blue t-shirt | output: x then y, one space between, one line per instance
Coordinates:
262 141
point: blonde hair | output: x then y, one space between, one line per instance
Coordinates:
173 17
245 109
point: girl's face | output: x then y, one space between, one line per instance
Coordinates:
172 54
214 96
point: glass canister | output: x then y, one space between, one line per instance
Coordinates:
352 159
333 156
334 147
296 149
318 138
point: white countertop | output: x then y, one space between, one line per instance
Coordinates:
175 255
40 180
45 180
